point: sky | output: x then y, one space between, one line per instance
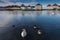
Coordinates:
27 2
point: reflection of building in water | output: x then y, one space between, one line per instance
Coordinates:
38 7
54 12
38 12
13 12
49 12
29 12
23 13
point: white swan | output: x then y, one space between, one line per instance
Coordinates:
23 33
39 32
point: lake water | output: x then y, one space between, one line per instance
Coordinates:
48 21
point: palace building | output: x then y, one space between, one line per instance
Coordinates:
38 6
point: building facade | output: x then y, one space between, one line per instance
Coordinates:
23 6
28 7
38 6
49 6
55 6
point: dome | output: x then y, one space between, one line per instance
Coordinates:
49 5
29 6
22 5
38 4
55 5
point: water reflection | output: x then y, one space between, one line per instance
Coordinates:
23 13
53 12
49 12
5 18
38 13
17 19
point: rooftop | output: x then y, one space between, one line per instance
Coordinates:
55 4
22 5
38 4
29 6
48 5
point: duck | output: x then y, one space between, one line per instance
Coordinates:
36 27
23 33
37 30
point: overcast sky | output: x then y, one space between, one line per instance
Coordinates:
26 2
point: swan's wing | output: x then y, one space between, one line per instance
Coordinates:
39 32
23 34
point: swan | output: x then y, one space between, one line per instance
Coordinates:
23 33
39 32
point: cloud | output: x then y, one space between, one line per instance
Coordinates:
9 2
6 1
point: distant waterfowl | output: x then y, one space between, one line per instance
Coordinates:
37 29
23 33
35 26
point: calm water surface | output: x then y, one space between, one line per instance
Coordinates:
48 21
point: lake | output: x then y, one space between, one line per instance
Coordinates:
48 21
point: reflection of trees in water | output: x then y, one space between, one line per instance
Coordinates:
24 12
15 12
38 13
